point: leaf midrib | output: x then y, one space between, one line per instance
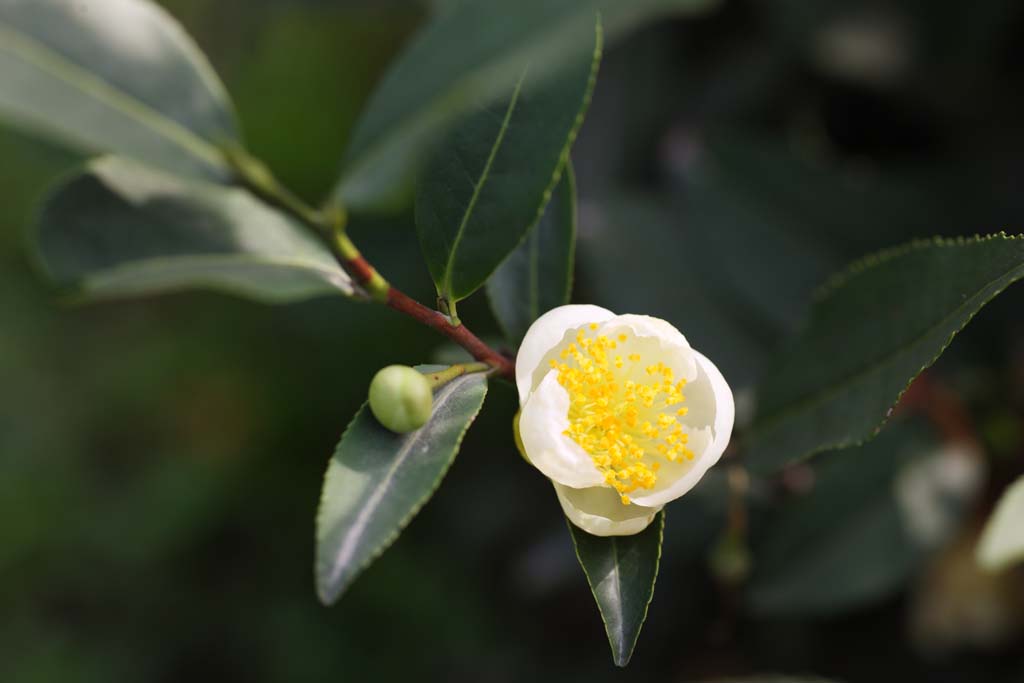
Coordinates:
840 386
453 93
534 294
617 577
367 511
478 187
48 60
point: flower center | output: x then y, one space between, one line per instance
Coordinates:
621 411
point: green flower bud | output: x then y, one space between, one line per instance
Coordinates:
401 398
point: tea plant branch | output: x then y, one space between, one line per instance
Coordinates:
459 334
330 224
440 378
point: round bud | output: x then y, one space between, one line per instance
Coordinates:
401 398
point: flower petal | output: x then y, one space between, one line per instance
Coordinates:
546 333
725 408
709 389
544 419
672 347
599 511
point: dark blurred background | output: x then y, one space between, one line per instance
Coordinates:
160 460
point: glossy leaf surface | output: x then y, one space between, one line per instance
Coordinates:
113 76
537 276
468 56
122 230
621 571
486 186
378 480
871 331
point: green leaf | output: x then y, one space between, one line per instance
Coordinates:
113 76
861 532
120 229
486 187
378 480
1002 541
469 56
621 571
537 276
871 331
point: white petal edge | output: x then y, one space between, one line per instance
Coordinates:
725 415
1002 541
670 339
545 333
541 427
599 511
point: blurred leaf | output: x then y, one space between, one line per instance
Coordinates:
643 236
1002 542
776 196
487 185
843 543
120 229
872 330
322 61
621 571
113 76
537 276
470 55
795 187
378 480
738 191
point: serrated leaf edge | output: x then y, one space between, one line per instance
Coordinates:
445 289
564 156
330 597
620 661
854 270
534 276
877 258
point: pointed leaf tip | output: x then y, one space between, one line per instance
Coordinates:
621 571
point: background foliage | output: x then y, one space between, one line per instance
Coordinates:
160 461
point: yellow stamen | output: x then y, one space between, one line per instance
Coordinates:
605 410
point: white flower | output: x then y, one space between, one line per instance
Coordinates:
620 413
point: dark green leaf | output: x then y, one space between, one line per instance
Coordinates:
860 533
378 480
621 571
114 76
468 56
488 184
537 276
120 229
872 330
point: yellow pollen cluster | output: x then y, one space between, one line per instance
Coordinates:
622 412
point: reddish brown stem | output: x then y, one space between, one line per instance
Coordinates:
361 271
458 334
254 175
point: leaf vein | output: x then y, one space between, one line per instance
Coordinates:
42 57
478 187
